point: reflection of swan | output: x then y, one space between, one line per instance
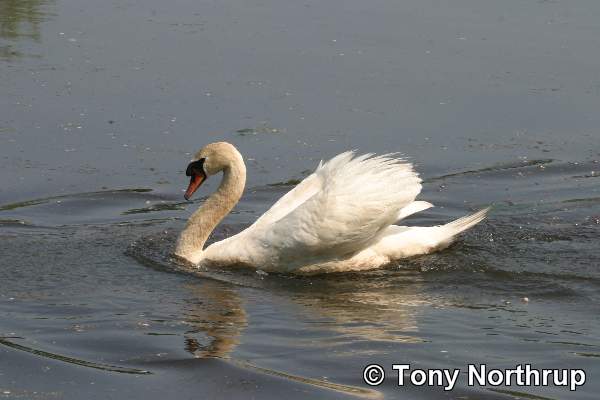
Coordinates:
216 314
217 318
337 219
383 307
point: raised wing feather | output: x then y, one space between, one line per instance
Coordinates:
356 199
291 200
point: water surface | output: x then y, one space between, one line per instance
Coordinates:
103 103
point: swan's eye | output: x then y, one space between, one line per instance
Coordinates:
196 168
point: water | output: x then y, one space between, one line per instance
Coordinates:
103 103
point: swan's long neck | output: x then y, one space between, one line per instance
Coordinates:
215 208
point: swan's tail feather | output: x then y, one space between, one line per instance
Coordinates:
445 234
442 236
404 241
462 224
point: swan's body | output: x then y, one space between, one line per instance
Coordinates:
337 219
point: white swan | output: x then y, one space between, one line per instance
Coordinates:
337 219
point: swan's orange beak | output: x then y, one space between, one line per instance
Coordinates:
196 171
195 182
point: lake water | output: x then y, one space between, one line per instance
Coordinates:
102 103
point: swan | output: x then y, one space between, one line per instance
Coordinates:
339 218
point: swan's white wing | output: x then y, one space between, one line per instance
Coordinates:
357 199
291 200
413 208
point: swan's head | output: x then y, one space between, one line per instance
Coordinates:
210 160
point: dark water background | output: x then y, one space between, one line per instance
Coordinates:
101 104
